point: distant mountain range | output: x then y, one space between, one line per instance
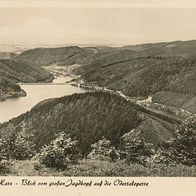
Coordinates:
166 71
48 56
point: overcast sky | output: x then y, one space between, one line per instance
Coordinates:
95 23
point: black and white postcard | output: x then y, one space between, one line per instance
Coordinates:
97 97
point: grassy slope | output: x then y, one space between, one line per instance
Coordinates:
102 168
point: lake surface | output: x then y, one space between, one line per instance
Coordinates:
35 93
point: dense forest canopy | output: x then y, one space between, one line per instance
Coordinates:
88 117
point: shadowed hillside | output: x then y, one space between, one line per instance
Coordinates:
12 72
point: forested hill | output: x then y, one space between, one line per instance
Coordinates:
61 56
12 72
166 71
166 79
88 117
22 72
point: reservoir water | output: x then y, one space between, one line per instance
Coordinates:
13 107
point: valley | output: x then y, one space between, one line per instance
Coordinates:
130 102
158 70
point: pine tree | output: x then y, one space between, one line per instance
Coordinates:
103 150
60 152
136 151
183 145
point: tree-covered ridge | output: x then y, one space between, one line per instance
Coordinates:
87 116
143 76
137 75
90 116
22 72
47 56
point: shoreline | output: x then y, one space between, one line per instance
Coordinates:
12 95
146 104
